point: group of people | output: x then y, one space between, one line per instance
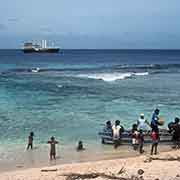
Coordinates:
52 143
137 133
142 127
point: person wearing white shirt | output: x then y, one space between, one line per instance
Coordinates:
117 129
142 123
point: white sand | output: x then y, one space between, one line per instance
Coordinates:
160 169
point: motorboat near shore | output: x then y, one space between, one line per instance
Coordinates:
30 47
107 138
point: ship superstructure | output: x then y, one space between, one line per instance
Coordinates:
30 47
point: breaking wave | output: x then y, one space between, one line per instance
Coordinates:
112 76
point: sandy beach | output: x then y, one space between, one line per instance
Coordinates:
165 165
90 90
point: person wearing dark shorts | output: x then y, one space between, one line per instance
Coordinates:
141 141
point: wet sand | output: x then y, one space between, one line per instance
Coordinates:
151 168
39 157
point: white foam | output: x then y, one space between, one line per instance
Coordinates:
141 74
35 70
111 76
59 85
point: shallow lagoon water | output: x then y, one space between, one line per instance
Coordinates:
74 92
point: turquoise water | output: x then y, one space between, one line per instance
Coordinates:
75 92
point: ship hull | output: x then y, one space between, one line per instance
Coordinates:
47 50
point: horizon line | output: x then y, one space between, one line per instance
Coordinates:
104 49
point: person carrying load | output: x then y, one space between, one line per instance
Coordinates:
117 130
154 121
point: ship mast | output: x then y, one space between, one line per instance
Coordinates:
44 44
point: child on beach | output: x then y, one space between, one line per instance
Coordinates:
52 143
134 135
155 140
30 140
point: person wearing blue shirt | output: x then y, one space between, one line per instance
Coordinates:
154 121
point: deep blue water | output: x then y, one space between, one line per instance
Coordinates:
74 92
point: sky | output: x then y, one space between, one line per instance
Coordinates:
91 24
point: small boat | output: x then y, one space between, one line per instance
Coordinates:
35 70
106 137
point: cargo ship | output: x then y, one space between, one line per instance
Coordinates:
30 47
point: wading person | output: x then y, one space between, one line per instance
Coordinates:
117 130
52 143
108 127
80 146
30 140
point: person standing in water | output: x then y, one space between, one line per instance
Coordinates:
30 140
52 143
154 121
142 123
117 130
108 127
80 146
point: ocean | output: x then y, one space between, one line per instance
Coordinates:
71 94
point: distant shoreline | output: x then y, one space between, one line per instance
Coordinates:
121 49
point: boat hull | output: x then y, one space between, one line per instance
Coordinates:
47 50
106 137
